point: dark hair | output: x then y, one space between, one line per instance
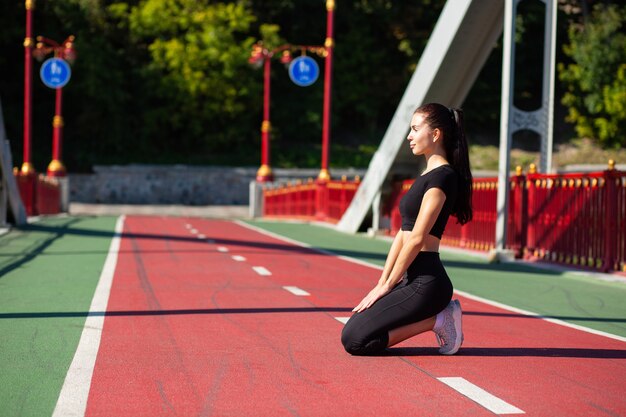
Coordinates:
450 122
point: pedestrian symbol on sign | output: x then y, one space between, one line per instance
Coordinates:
303 71
55 73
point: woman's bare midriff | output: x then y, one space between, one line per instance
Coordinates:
431 243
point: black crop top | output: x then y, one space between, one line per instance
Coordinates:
443 177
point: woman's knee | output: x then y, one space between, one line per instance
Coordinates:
356 344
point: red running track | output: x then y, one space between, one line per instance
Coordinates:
190 331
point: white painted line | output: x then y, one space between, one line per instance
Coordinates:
238 258
222 249
73 397
296 290
479 395
261 271
194 231
188 226
306 245
462 293
344 320
201 236
548 319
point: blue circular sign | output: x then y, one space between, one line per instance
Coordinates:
55 73
304 71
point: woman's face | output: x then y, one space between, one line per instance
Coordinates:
420 136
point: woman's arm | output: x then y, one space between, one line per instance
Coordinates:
394 251
432 204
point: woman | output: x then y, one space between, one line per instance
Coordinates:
414 293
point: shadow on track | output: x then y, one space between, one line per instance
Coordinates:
512 352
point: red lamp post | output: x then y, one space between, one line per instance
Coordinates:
329 45
27 167
65 51
262 56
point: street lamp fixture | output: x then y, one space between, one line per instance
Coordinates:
261 56
65 50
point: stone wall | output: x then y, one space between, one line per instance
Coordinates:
177 184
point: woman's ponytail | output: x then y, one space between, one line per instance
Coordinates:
450 122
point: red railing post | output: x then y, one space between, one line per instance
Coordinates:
321 199
518 237
531 215
610 225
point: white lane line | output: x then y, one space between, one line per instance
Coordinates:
479 395
296 290
344 320
73 397
539 316
188 226
462 293
261 271
193 231
238 258
222 249
201 236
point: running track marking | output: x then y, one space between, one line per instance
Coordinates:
201 236
194 231
238 258
462 293
479 395
222 249
261 271
546 318
73 397
296 290
461 385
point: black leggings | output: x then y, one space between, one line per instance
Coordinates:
425 291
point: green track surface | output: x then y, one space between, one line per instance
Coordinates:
575 298
46 268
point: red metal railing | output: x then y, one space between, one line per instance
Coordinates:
575 219
40 194
319 200
48 195
578 219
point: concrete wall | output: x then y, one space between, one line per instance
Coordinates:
177 184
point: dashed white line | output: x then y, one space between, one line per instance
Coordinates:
201 236
194 231
296 290
222 249
462 293
188 226
261 271
238 258
344 320
479 395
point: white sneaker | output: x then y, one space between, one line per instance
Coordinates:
450 333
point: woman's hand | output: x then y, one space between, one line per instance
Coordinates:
377 292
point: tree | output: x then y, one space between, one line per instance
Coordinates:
595 81
198 54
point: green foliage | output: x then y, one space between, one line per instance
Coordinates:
595 80
168 81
